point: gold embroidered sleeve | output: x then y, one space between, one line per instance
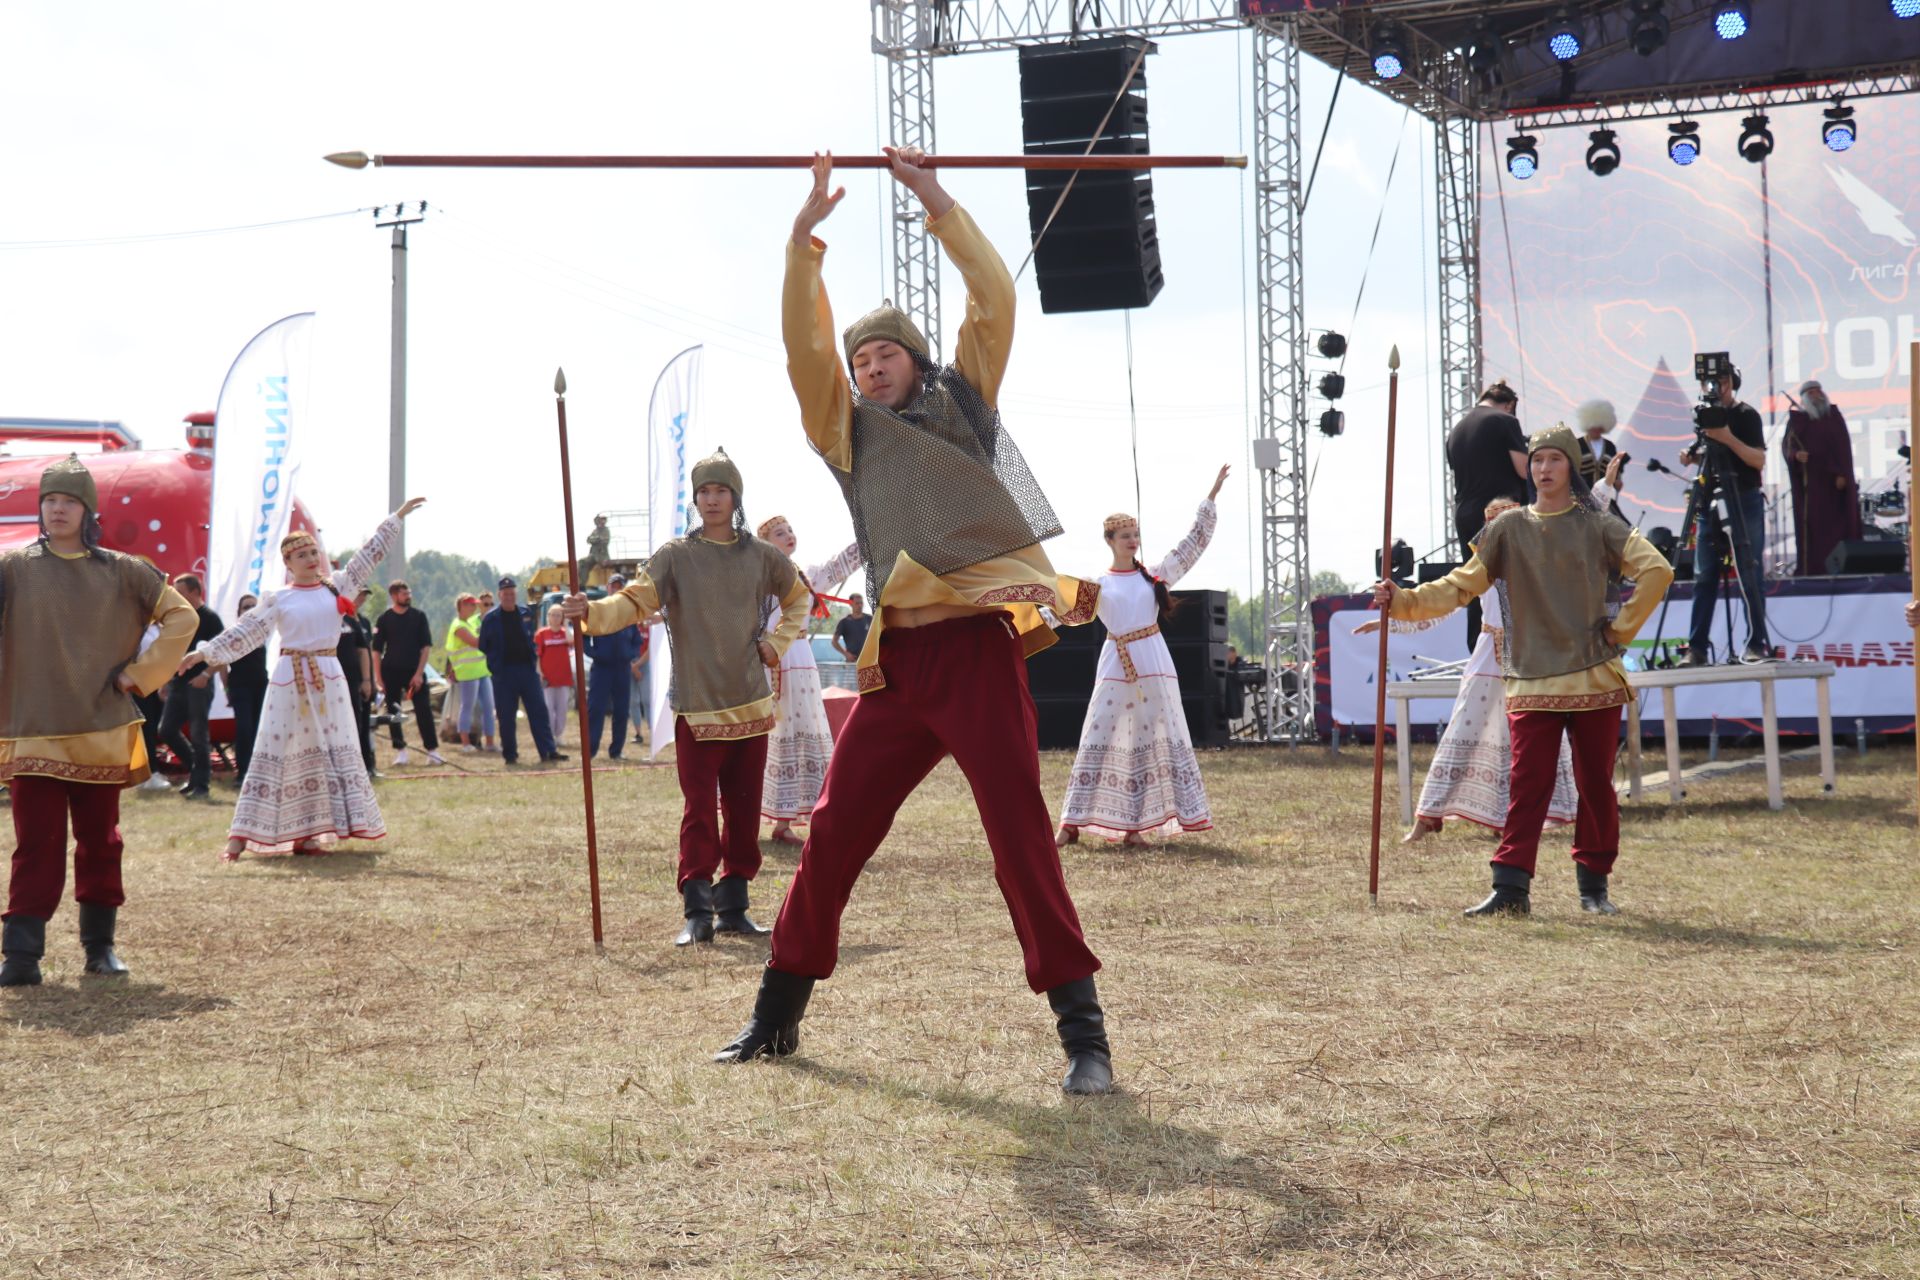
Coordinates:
1442 596
178 622
813 355
1651 575
624 607
985 340
794 607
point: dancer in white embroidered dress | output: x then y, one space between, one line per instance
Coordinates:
307 785
801 743
1135 772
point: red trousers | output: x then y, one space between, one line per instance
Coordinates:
1595 736
40 808
957 687
735 766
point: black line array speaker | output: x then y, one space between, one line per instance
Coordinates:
1061 678
1868 555
1102 252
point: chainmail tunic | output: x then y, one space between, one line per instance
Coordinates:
940 480
1558 578
68 627
712 594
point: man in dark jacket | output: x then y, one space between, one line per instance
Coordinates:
190 699
506 637
403 638
356 662
246 683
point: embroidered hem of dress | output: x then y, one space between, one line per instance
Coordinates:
1550 823
284 846
1169 825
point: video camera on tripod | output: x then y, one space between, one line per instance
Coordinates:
1708 368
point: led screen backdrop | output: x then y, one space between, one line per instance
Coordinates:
1606 287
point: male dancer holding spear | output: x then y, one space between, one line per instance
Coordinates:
949 522
712 585
1555 564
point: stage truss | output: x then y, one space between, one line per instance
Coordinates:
1456 101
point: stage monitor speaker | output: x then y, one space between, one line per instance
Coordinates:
1877 556
1197 615
1102 251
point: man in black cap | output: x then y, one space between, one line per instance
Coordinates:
506 637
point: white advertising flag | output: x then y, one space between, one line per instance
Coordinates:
257 444
669 418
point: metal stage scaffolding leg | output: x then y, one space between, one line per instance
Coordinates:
905 33
1286 581
1457 167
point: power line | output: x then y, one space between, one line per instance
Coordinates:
151 237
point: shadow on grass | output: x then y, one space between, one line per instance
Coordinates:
1836 809
1655 929
1114 854
1079 1158
102 1007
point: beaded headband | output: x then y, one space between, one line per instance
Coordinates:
1114 523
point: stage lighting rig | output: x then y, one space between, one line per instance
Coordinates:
1485 45
1756 140
1388 50
1839 132
1330 345
1332 423
1683 148
1647 29
1905 8
1332 385
1566 34
1731 19
1603 153
1523 156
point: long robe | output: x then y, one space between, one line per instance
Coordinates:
1824 513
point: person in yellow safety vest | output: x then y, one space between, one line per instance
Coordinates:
467 667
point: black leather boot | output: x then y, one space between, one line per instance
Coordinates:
730 906
774 1029
23 940
1083 1034
96 938
698 897
1593 892
1512 894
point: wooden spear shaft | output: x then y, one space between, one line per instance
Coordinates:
579 661
360 160
1913 528
1380 674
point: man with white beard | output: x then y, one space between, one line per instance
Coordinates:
1826 502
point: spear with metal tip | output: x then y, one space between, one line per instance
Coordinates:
579 659
360 160
1380 673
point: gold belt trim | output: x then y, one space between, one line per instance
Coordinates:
1499 635
307 678
1120 644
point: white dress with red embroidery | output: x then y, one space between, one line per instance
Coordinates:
1136 770
1473 764
307 782
801 744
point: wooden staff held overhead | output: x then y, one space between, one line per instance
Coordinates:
579 660
360 160
1380 674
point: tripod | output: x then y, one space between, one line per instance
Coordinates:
1713 485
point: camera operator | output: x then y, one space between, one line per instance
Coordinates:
1731 445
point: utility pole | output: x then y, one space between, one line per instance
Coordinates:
399 217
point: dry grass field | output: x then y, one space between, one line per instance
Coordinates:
408 1061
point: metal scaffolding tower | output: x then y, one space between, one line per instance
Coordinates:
905 33
1281 427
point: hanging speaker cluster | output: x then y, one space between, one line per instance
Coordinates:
1102 251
